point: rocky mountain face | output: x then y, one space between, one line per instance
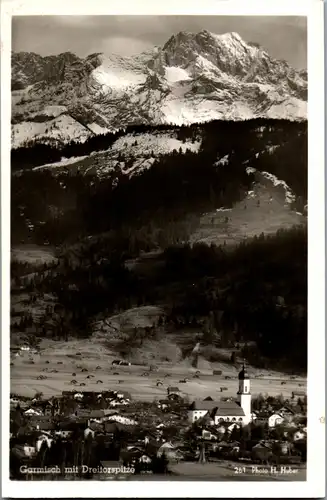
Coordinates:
193 78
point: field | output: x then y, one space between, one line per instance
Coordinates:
66 361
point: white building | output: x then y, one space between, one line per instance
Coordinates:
298 435
222 411
275 419
270 419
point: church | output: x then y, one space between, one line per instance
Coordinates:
238 411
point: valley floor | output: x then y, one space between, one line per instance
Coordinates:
24 376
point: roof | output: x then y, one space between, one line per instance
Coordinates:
96 414
230 409
110 426
204 405
221 407
70 425
286 409
126 394
46 426
173 389
107 411
94 426
264 414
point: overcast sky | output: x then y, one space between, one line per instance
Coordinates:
282 37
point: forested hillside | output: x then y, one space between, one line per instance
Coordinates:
255 290
71 205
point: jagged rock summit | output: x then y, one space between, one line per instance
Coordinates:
193 77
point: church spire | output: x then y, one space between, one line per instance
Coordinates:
243 373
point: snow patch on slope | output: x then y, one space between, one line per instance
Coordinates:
62 128
148 144
112 76
50 111
272 149
293 109
97 129
222 161
62 163
175 74
250 170
289 195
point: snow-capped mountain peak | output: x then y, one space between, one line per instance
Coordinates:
194 77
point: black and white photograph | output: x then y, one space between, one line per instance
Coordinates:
159 180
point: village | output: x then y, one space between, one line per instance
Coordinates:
110 434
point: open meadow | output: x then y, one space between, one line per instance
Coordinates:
93 369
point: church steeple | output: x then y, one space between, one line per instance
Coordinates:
244 394
243 375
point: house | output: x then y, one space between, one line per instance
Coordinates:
299 394
93 428
262 417
226 411
45 426
223 445
262 451
287 413
275 419
78 395
285 447
299 434
233 426
270 419
130 457
170 451
145 459
32 411
14 401
96 415
175 397
121 419
110 429
173 390
26 450
209 435
221 429
123 395
163 404
64 433
52 408
67 428
43 438
67 394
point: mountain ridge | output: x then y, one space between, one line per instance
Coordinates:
193 77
